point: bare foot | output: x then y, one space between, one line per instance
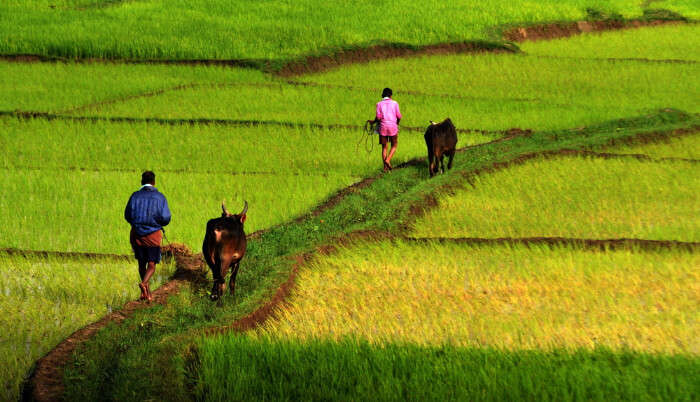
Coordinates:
144 292
149 295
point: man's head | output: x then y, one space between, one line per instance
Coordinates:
386 93
148 177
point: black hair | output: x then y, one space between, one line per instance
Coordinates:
386 93
148 177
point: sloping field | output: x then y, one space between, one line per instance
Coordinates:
574 197
45 298
217 29
511 297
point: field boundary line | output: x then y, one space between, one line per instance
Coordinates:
63 254
31 115
615 59
589 244
178 171
559 30
127 98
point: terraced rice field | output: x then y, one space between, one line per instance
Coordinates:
493 320
574 197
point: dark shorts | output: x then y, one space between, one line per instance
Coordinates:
146 248
383 139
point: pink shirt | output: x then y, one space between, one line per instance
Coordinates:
387 112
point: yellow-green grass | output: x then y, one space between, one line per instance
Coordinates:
84 211
57 87
574 197
273 30
45 299
505 90
672 42
510 297
681 147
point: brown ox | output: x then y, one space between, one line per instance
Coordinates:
224 246
441 140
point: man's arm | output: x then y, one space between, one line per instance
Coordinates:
165 215
398 114
127 210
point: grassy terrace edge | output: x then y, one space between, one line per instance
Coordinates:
159 342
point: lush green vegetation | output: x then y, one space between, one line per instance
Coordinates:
502 91
157 357
239 368
574 197
683 147
507 297
89 171
45 299
92 203
57 87
220 29
647 43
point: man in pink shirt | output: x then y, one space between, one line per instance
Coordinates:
388 117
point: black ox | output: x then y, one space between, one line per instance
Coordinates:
224 247
441 139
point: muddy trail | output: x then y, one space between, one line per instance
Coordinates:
334 58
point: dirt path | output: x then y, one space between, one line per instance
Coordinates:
45 381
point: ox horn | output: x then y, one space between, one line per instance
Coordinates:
432 122
223 209
245 208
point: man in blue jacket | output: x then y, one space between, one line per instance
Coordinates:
147 211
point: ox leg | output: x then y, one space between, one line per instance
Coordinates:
218 280
232 280
451 155
441 163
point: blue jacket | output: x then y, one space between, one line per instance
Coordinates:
147 211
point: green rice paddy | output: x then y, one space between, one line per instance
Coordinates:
574 197
243 30
492 322
45 299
